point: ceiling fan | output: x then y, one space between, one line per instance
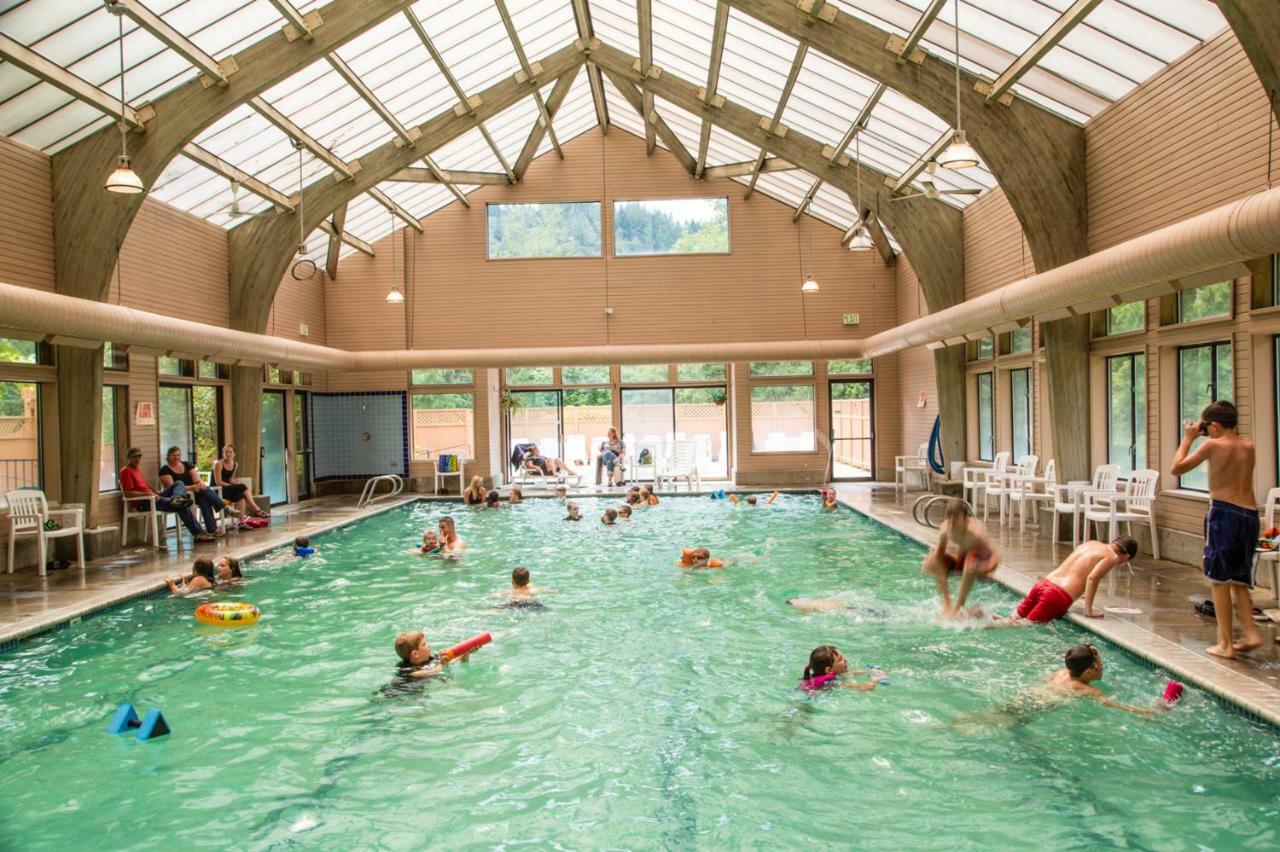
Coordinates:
233 209
930 189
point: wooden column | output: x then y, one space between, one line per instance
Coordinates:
1066 346
948 368
246 420
79 425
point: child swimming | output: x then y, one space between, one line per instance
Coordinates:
698 557
430 542
521 595
751 501
202 579
574 513
624 511
962 546
302 546
609 517
826 668
561 493
647 495
829 499
227 569
515 495
416 659
493 500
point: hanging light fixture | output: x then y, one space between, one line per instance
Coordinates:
395 297
304 268
959 154
861 239
123 179
810 285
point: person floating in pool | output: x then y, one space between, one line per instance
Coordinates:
634 498
818 605
522 595
1079 574
227 569
493 500
609 517
962 546
575 514
203 578
829 499
1081 666
451 544
624 512
828 669
698 557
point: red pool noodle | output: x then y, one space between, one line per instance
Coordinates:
469 645
1172 692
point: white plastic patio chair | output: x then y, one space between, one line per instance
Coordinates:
1270 559
908 466
636 470
683 464
28 513
1069 498
1137 503
154 521
998 485
1023 490
975 479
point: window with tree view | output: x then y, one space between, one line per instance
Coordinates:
986 417
563 229
1127 412
443 423
671 226
19 436
1204 375
1211 300
1125 318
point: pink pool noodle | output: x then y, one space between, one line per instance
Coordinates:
1172 692
469 645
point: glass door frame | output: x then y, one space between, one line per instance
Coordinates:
285 415
870 382
300 414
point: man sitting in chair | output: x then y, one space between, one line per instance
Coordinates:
173 499
534 460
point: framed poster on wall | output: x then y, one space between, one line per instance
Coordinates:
145 414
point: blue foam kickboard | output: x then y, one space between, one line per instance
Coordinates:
126 717
153 725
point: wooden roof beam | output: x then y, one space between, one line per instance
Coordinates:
285 124
582 18
348 238
555 100
334 252
216 71
439 175
775 124
906 48
406 136
400 213
545 115
297 24
82 90
644 23
1047 41
713 82
732 170
416 175
859 124
219 166
669 138
922 162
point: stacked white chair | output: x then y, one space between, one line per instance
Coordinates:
1000 485
975 479
1271 558
1137 503
1069 498
908 466
28 514
1023 490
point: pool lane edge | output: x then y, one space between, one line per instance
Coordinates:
1252 698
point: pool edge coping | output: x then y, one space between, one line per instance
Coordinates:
1164 654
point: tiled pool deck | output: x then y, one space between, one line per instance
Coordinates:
1166 631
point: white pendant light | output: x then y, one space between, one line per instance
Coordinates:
123 179
395 297
861 239
809 286
959 154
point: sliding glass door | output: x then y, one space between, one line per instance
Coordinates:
275 468
853 430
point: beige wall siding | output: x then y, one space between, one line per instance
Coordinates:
1190 139
995 250
26 217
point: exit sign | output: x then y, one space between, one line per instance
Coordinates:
850 319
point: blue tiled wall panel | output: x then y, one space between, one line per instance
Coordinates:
357 435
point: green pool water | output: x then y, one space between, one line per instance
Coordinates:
645 707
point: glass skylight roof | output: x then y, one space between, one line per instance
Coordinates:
1118 45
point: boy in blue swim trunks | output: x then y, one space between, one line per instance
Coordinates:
1231 526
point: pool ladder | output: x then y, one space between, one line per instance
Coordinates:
370 496
923 509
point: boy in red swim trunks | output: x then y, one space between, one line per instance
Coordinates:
1231 527
962 546
1079 574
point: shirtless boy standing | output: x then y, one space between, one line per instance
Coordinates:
1078 575
1231 526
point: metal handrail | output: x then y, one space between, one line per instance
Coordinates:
925 502
368 496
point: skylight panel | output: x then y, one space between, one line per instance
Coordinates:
686 126
682 34
620 111
614 22
543 27
724 147
756 62
511 127
473 42
469 152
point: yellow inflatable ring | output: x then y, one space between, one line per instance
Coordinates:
227 614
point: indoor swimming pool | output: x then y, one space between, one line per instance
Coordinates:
645 706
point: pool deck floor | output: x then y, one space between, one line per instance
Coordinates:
1166 630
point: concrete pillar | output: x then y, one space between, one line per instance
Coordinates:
79 425
1066 343
246 421
948 367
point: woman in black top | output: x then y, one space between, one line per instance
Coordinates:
235 493
206 498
